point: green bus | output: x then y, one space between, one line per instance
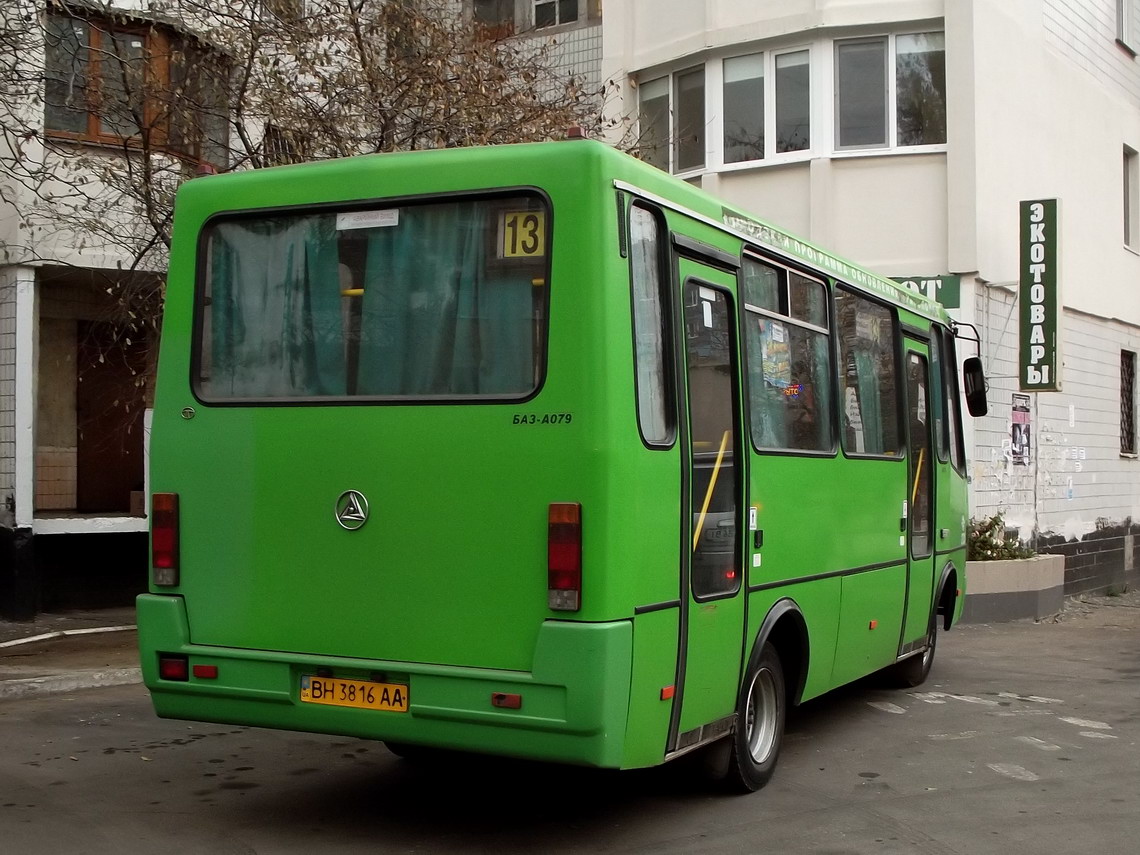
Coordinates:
537 451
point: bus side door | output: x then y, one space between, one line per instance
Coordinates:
712 479
919 496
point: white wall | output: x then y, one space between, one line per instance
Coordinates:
1076 474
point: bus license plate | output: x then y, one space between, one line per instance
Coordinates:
361 694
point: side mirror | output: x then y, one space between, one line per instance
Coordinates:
975 380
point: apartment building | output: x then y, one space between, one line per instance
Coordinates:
905 135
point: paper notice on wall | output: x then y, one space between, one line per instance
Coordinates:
1020 441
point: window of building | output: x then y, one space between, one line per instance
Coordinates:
551 13
1131 198
689 120
793 102
1127 402
650 330
494 18
789 360
1126 25
753 130
868 377
672 120
861 93
744 108
109 83
653 141
865 91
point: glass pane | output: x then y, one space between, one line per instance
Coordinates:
66 41
921 84
861 93
708 334
121 76
953 409
689 131
649 328
436 300
789 373
744 108
808 299
544 14
793 102
918 492
762 286
868 379
654 141
567 11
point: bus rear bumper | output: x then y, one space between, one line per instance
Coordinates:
572 705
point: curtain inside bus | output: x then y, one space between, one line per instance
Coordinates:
438 318
275 309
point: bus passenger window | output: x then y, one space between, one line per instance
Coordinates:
868 377
654 407
789 364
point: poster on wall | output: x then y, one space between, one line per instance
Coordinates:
1019 432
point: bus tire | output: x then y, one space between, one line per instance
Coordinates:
913 671
760 714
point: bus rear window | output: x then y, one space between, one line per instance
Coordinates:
436 300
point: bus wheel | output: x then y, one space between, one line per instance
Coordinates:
760 717
914 671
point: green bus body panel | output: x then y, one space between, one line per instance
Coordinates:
870 622
818 602
655 640
574 702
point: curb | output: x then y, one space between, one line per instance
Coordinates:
66 633
35 686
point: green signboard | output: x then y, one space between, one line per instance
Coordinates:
947 290
1039 360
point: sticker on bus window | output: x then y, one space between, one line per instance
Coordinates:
368 219
522 234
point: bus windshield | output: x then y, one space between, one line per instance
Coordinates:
431 300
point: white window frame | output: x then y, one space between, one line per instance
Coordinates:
892 145
1126 25
534 4
714 106
670 142
1131 198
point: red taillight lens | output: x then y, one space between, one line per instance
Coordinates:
164 538
564 557
173 667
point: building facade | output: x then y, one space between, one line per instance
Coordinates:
904 135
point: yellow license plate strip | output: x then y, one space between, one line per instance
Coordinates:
360 694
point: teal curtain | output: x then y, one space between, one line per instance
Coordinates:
866 369
438 316
274 311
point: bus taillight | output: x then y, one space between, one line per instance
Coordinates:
564 557
164 538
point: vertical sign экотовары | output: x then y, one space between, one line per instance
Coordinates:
1039 360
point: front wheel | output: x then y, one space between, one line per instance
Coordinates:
760 715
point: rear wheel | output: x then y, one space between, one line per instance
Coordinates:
760 715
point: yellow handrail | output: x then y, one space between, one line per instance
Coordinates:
709 491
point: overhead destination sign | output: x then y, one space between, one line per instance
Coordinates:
1039 360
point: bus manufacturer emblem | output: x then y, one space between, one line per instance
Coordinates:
351 510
